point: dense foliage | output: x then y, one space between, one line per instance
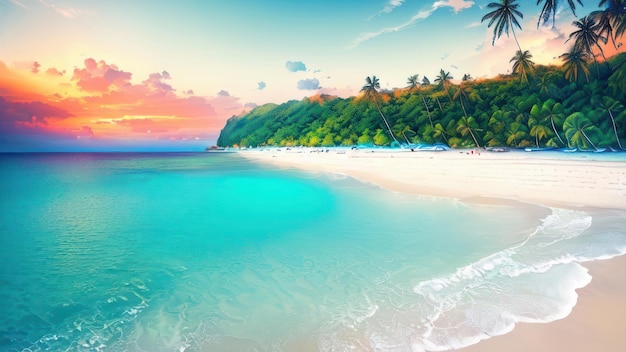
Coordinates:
543 109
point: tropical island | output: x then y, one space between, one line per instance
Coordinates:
577 105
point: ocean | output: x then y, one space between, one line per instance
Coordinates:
212 252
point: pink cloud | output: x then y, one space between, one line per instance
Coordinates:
100 76
54 72
29 112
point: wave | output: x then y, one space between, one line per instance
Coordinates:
534 281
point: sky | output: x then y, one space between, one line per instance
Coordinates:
127 75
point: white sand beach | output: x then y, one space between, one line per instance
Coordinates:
456 174
598 321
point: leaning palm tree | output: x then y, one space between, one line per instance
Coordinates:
586 37
413 82
505 15
445 80
612 20
609 104
467 125
523 66
575 61
461 94
575 126
549 10
371 92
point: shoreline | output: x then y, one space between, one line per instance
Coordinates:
517 176
598 319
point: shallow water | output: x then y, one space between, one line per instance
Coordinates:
171 252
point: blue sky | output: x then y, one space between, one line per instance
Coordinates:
240 53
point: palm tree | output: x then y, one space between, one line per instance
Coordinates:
505 14
537 126
461 94
413 82
575 61
404 131
440 132
467 77
523 66
586 37
371 92
445 80
515 133
549 10
609 104
425 81
467 125
612 20
575 126
617 80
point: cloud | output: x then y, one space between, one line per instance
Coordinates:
391 5
309 84
66 12
473 25
34 112
99 99
295 66
456 5
15 2
36 67
54 72
261 86
84 132
98 76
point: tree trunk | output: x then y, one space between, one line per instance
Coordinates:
588 140
614 128
555 132
385 120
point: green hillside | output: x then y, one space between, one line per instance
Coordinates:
574 105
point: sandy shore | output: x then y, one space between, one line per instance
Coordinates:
598 321
512 175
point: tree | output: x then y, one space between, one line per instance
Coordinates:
586 37
537 126
505 15
425 81
439 131
523 66
549 10
413 82
371 92
575 126
612 20
467 125
617 80
461 94
404 131
609 104
575 61
515 133
467 77
445 80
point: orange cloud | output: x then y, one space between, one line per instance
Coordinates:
102 101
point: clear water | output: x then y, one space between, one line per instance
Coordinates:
210 252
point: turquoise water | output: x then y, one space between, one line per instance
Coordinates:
210 252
